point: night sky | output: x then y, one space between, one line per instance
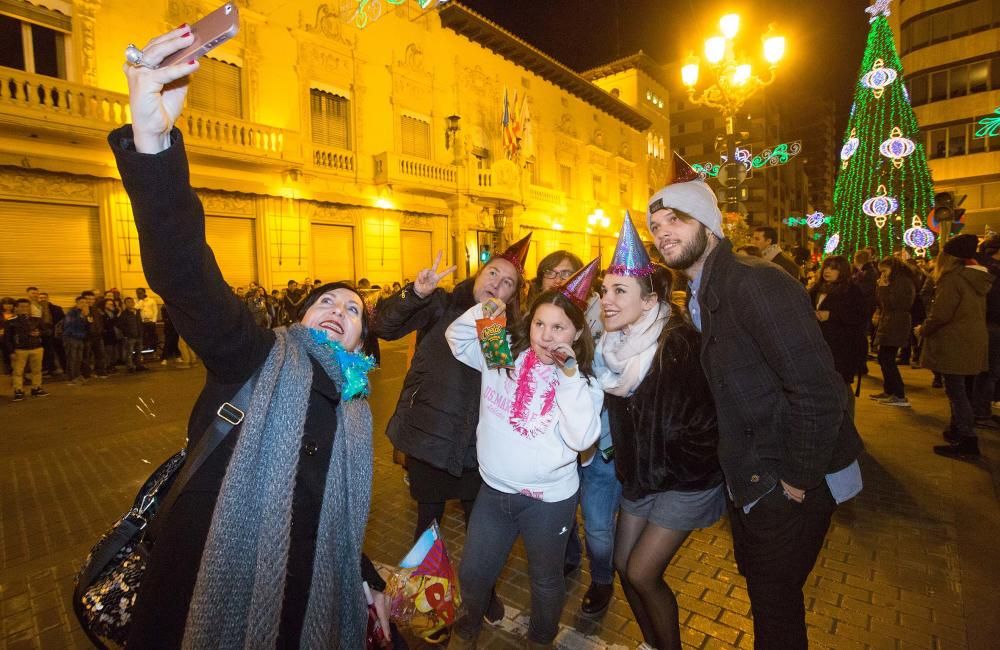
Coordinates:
825 38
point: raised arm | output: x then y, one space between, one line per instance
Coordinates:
170 220
417 306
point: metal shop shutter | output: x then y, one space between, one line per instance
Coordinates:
54 247
233 242
417 252
333 252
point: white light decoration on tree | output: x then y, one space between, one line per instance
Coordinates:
880 206
918 237
849 148
879 8
815 220
897 147
878 78
832 243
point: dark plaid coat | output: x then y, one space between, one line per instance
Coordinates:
781 404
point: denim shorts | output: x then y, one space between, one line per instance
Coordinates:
679 510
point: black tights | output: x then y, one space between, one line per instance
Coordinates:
428 512
642 552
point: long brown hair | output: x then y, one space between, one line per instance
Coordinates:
514 306
583 347
944 264
840 264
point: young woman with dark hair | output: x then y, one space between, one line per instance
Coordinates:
896 290
664 429
534 420
840 310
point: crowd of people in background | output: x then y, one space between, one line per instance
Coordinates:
106 332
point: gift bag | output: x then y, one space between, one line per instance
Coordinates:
423 591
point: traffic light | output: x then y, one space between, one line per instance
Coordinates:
946 210
484 253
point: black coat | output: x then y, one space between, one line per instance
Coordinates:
438 409
181 268
780 402
845 330
665 434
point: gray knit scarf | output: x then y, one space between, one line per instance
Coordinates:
238 597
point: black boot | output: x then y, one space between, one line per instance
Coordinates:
597 599
966 447
950 436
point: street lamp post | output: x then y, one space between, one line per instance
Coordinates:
598 221
734 83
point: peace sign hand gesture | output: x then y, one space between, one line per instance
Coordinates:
427 280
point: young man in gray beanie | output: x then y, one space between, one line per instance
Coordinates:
788 452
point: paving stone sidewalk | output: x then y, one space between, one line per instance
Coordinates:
912 562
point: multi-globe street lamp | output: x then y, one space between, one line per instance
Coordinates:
733 83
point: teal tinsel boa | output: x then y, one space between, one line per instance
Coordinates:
354 365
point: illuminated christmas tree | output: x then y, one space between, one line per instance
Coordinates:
884 190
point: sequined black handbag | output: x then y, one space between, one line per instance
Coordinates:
108 582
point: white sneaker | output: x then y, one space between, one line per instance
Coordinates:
892 400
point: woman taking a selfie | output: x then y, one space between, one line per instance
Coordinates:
263 546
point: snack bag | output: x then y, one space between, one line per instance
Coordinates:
423 591
493 341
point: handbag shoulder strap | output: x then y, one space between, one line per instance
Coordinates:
229 415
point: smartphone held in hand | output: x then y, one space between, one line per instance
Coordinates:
211 31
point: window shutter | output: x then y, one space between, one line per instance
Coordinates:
416 137
330 113
217 88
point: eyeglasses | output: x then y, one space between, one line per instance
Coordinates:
552 274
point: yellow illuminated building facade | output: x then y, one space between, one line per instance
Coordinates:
318 149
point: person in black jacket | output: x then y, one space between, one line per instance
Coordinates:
664 429
787 449
264 543
24 339
840 309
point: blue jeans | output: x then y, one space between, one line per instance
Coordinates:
600 493
497 519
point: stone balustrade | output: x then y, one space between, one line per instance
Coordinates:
55 99
333 159
396 168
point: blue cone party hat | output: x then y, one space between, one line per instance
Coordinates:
630 256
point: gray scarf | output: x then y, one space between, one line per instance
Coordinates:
238 597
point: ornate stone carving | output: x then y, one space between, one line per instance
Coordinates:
597 138
625 151
328 23
226 203
413 58
567 125
25 184
414 220
505 175
84 12
330 213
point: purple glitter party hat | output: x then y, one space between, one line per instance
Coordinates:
630 258
577 286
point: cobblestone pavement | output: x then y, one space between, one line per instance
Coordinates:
911 563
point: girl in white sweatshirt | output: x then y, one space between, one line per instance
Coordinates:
533 421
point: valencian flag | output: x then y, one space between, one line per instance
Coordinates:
507 124
423 592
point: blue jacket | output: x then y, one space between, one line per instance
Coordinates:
75 325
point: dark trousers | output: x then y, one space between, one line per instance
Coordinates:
958 388
76 351
892 381
149 339
497 520
53 361
776 545
986 382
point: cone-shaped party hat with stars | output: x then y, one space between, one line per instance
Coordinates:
683 172
577 286
630 256
517 253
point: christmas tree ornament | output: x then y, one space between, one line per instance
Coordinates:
849 148
878 78
897 147
918 237
880 206
815 220
832 243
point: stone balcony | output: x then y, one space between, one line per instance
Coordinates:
414 174
64 112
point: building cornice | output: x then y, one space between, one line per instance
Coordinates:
476 28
